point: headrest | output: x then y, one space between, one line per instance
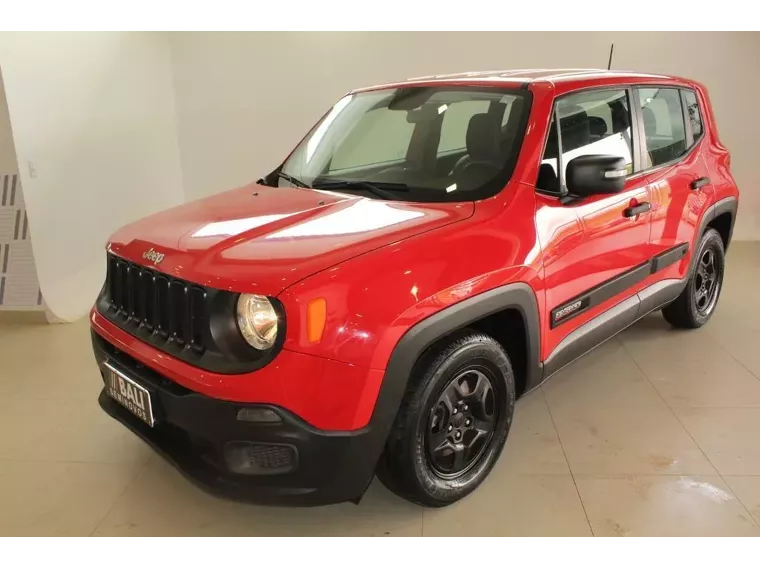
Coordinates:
483 134
620 119
576 130
572 115
597 125
650 122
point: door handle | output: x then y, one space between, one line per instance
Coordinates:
642 207
700 182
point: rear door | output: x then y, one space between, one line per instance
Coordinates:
681 190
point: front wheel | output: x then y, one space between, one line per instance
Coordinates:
698 299
452 423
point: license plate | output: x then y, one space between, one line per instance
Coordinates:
129 394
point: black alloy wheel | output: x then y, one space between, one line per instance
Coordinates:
699 297
707 282
453 421
462 423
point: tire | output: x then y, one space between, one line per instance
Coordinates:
469 363
696 303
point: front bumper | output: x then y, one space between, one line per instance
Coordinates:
203 437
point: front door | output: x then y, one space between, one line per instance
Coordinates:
609 233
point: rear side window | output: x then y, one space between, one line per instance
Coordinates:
664 129
695 117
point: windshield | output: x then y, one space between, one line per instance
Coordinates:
413 144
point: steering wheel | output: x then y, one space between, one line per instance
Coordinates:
480 171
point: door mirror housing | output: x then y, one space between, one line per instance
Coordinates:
595 174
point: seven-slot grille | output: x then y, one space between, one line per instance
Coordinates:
169 308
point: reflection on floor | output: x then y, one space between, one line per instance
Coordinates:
653 433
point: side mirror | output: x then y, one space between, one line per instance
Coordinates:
595 174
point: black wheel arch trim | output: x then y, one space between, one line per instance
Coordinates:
726 205
424 334
421 336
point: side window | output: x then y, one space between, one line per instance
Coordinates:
456 120
692 108
664 129
590 122
595 122
380 136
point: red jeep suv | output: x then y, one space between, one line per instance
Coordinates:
430 251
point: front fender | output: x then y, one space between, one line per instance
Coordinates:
425 333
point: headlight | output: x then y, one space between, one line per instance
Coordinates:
257 321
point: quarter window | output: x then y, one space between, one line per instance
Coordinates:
664 130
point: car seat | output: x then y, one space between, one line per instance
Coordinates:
483 159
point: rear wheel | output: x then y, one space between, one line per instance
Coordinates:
699 298
452 423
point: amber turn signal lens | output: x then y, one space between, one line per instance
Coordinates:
316 314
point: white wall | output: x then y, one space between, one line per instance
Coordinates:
245 99
94 113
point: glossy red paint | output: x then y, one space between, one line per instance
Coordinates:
328 394
261 239
384 266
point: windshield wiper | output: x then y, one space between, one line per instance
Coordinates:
381 189
294 180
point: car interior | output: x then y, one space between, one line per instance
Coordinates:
484 148
581 125
659 113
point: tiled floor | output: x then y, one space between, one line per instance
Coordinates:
653 433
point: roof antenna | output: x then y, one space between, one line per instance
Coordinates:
609 63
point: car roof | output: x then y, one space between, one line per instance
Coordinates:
524 77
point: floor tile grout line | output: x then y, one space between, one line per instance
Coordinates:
118 498
746 508
738 476
712 337
688 433
567 461
670 408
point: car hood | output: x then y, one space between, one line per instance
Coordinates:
261 239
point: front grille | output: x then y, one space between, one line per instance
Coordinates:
171 310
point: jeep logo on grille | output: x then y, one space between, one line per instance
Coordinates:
154 256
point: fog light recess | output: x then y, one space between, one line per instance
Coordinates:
260 415
254 458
